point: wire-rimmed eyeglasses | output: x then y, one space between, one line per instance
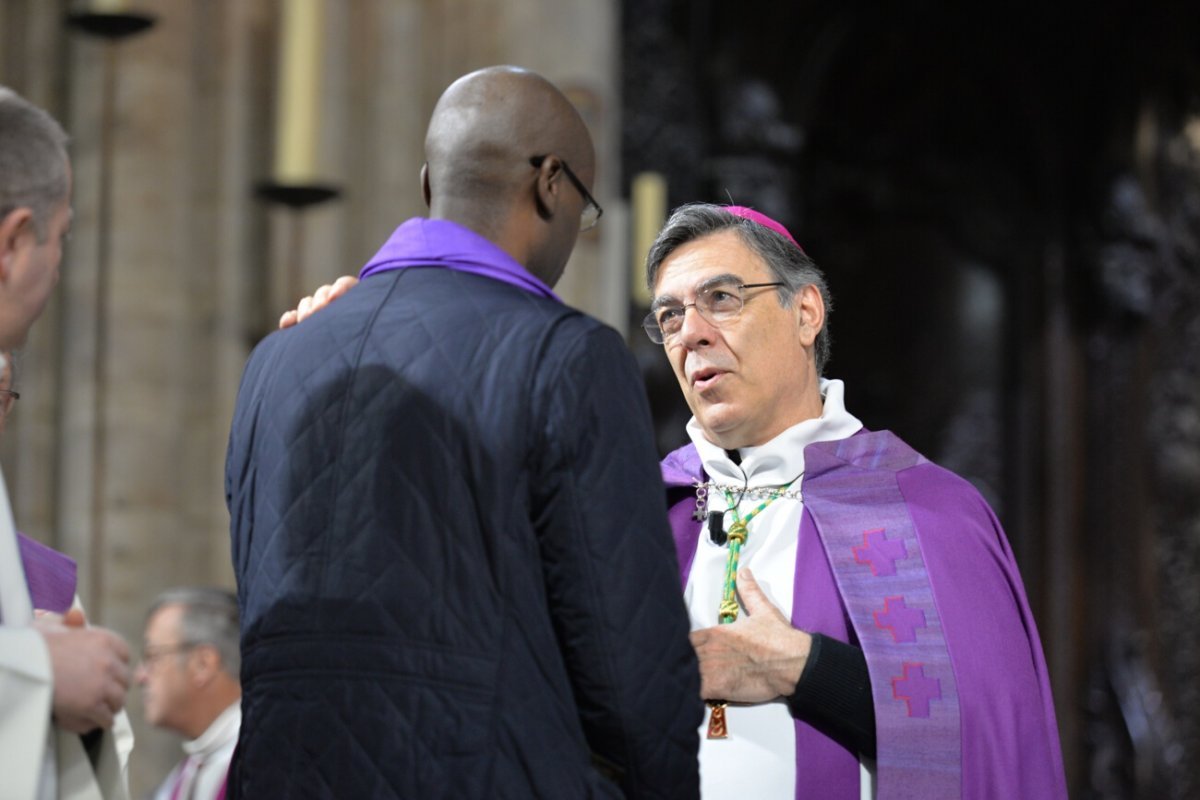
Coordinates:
717 302
591 209
152 654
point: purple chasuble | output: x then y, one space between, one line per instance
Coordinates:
51 575
924 574
421 242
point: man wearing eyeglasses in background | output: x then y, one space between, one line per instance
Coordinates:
454 567
860 622
189 679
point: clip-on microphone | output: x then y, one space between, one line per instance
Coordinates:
716 528
716 519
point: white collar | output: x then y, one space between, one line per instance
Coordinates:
782 459
219 733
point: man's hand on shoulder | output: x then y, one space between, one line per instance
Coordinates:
314 302
91 672
754 659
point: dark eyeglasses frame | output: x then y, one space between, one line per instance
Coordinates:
152 654
590 206
8 399
650 323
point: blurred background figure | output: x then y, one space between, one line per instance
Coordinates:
8 397
189 679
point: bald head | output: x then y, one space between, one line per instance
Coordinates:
484 131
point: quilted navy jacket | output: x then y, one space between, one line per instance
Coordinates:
454 569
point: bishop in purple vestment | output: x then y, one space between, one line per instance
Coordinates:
880 642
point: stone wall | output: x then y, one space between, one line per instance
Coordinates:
198 266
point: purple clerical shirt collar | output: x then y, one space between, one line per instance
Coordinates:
422 242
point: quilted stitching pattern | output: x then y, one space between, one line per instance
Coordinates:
453 563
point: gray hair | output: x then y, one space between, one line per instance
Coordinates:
210 616
787 262
33 160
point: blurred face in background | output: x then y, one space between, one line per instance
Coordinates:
163 672
7 396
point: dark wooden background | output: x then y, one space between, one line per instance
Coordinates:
1007 204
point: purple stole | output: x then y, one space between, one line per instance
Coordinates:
850 490
852 496
50 575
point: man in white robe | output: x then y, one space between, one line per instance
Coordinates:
61 683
